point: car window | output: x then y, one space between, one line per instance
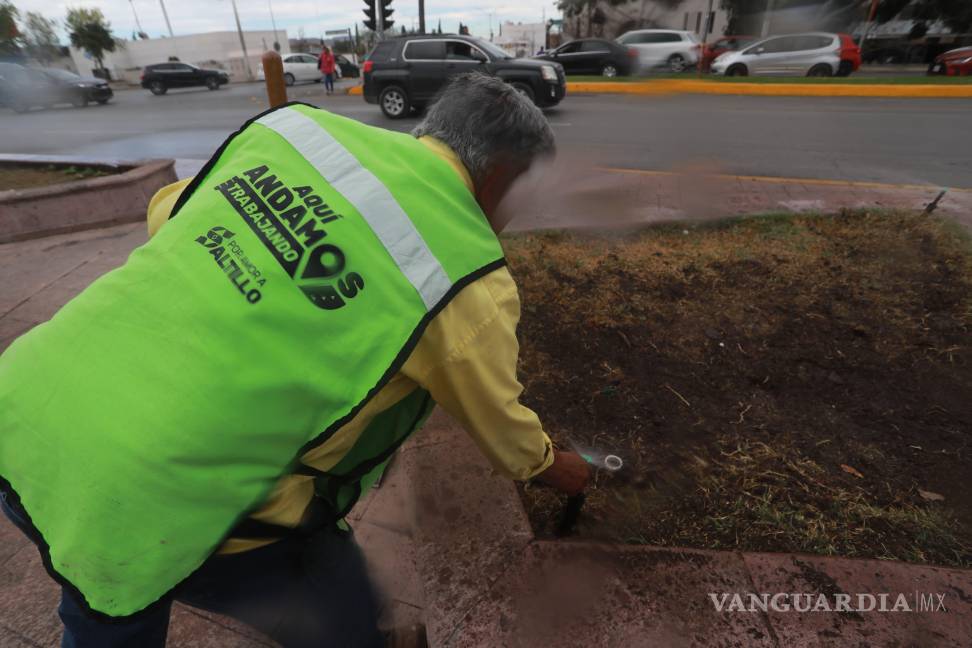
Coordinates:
722 43
63 75
593 46
771 46
308 58
425 50
382 52
182 67
342 59
12 73
569 48
461 51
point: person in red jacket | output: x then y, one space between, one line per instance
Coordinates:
326 65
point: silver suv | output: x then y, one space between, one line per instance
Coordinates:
675 50
814 54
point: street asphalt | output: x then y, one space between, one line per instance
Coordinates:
913 141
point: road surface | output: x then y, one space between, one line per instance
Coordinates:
913 141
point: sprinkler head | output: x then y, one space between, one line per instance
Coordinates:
613 463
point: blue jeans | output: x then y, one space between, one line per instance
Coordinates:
302 591
329 82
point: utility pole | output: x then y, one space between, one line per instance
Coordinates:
421 16
166 14
770 6
135 13
706 28
239 30
380 19
276 38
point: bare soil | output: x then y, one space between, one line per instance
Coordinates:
796 384
29 176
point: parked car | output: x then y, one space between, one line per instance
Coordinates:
299 67
675 50
161 76
812 54
347 69
405 73
593 56
23 88
956 62
850 55
713 50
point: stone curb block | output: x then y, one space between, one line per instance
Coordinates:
676 86
82 204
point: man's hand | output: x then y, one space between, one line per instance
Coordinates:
569 473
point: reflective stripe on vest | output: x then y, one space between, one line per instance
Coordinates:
163 404
369 196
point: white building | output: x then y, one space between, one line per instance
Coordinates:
687 15
521 39
217 50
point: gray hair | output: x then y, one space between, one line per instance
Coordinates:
487 122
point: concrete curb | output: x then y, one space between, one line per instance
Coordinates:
698 86
488 581
82 204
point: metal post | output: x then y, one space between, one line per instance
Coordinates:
706 26
421 16
770 6
273 72
239 30
870 21
380 19
166 14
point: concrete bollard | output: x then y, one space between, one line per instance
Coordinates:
274 75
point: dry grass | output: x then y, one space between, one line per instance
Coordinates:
737 366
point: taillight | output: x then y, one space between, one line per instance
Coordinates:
632 52
368 66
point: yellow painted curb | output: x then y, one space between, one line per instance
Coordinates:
699 86
356 90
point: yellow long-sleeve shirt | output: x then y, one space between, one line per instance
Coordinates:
466 359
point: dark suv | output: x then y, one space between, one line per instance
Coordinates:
160 77
405 73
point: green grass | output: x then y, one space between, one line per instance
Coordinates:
851 80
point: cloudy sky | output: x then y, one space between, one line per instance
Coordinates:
314 16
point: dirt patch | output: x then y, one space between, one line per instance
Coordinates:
794 384
28 176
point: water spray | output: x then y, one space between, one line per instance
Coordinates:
608 462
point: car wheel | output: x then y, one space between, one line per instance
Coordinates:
212 83
820 70
676 63
609 71
738 70
79 101
102 101
845 69
525 90
394 102
158 88
289 79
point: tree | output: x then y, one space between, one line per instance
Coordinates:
89 31
9 34
40 37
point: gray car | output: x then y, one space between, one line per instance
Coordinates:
813 54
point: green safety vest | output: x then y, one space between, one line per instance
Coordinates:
156 410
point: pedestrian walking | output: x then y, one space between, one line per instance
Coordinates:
196 424
326 64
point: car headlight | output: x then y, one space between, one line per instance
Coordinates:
548 72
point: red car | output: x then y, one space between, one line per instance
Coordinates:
850 55
723 45
957 62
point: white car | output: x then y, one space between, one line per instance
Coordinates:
297 67
814 54
675 50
